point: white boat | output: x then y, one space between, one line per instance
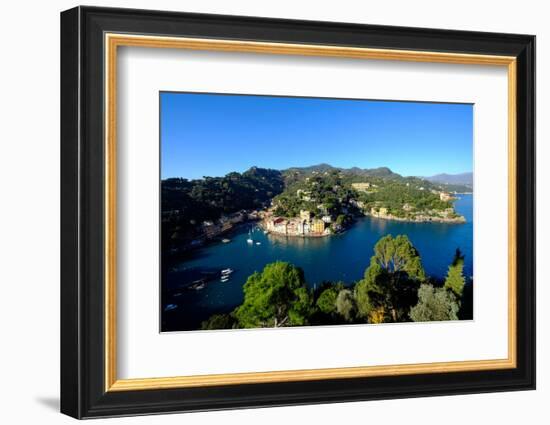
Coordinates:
227 271
225 240
249 240
198 285
258 243
224 279
170 307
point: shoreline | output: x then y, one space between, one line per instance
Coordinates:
189 247
263 226
458 220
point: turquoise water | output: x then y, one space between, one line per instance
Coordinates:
342 257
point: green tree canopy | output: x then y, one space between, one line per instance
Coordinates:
398 255
392 279
455 275
278 296
327 300
434 304
218 321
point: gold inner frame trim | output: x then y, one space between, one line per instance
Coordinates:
113 41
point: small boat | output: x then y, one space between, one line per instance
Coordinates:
225 240
224 279
170 307
265 232
198 284
258 243
227 271
249 240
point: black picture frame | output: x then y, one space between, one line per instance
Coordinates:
83 392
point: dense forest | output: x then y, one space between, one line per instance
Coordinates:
403 200
395 288
208 198
320 194
188 203
352 192
380 174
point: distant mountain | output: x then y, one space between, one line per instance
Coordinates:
319 168
450 182
382 172
466 179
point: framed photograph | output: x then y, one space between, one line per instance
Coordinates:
261 212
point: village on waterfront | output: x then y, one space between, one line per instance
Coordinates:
316 204
308 225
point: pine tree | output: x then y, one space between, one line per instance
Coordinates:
327 300
455 277
276 297
390 284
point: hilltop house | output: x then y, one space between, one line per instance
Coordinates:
361 187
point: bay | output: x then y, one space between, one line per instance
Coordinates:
342 257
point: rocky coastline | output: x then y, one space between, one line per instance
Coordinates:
420 218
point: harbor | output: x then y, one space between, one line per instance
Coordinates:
204 291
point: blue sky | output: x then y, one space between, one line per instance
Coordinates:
212 135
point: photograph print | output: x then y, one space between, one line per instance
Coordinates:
284 211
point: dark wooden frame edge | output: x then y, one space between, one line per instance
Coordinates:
82 219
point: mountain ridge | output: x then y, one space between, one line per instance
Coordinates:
384 172
451 182
466 179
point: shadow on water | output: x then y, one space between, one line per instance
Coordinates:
184 277
299 242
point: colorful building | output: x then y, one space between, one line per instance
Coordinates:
317 226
